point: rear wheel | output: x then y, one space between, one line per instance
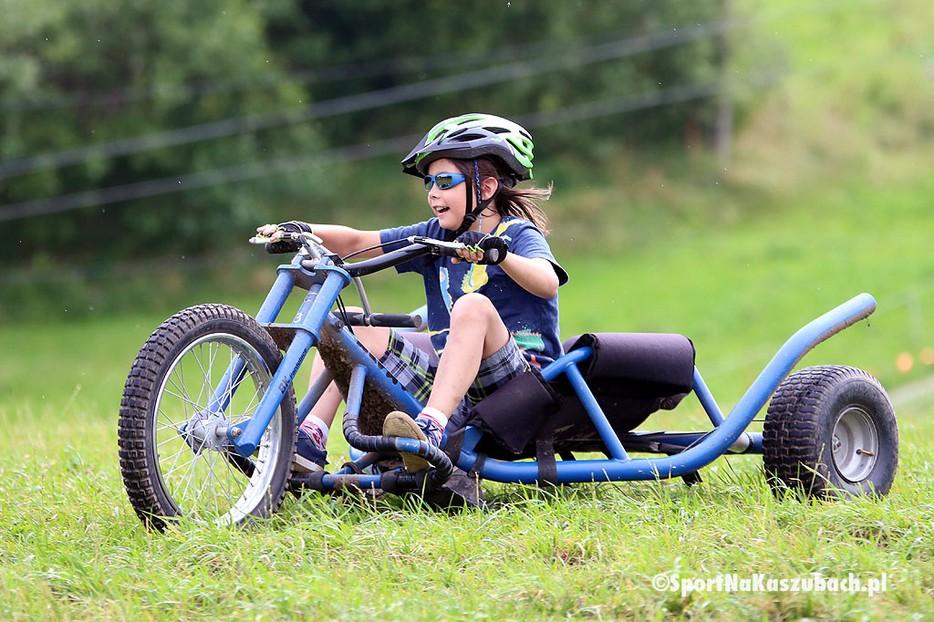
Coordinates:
831 431
175 456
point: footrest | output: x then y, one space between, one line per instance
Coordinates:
307 481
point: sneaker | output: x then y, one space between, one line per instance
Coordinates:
431 429
309 457
400 424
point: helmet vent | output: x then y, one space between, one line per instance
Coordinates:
462 138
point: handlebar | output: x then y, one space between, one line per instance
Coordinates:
418 247
387 260
289 240
313 248
312 251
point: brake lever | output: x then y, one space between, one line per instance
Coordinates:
304 237
313 244
437 245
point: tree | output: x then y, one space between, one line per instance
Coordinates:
413 40
79 74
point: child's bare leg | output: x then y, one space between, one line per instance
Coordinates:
476 333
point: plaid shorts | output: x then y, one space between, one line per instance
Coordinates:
415 368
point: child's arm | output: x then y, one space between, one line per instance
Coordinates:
345 240
339 239
535 275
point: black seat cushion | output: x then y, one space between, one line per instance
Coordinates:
637 364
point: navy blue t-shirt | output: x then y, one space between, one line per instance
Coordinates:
531 320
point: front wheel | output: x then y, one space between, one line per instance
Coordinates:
202 371
830 431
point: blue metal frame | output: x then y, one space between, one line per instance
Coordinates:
699 448
710 446
312 315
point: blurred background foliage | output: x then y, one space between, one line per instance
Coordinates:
77 75
81 75
141 142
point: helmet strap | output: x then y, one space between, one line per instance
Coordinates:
471 216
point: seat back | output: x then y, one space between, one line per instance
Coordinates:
637 364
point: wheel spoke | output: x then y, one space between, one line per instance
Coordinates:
209 381
169 440
168 426
163 414
192 469
231 383
248 410
199 496
218 488
197 356
175 465
231 478
184 386
214 484
176 456
185 400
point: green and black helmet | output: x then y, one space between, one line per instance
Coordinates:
472 136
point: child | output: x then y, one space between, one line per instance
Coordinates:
488 323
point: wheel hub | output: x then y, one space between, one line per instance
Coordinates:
854 444
205 430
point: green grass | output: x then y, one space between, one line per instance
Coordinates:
72 548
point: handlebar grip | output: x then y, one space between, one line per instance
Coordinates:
494 249
285 245
387 320
291 242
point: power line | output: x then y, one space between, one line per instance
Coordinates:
335 73
231 174
606 107
203 179
570 58
324 74
236 173
579 57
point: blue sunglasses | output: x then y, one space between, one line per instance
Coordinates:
444 180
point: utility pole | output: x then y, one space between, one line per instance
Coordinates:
723 130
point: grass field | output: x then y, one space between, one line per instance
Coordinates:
72 548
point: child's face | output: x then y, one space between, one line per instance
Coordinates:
448 205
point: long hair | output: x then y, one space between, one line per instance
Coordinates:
519 202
